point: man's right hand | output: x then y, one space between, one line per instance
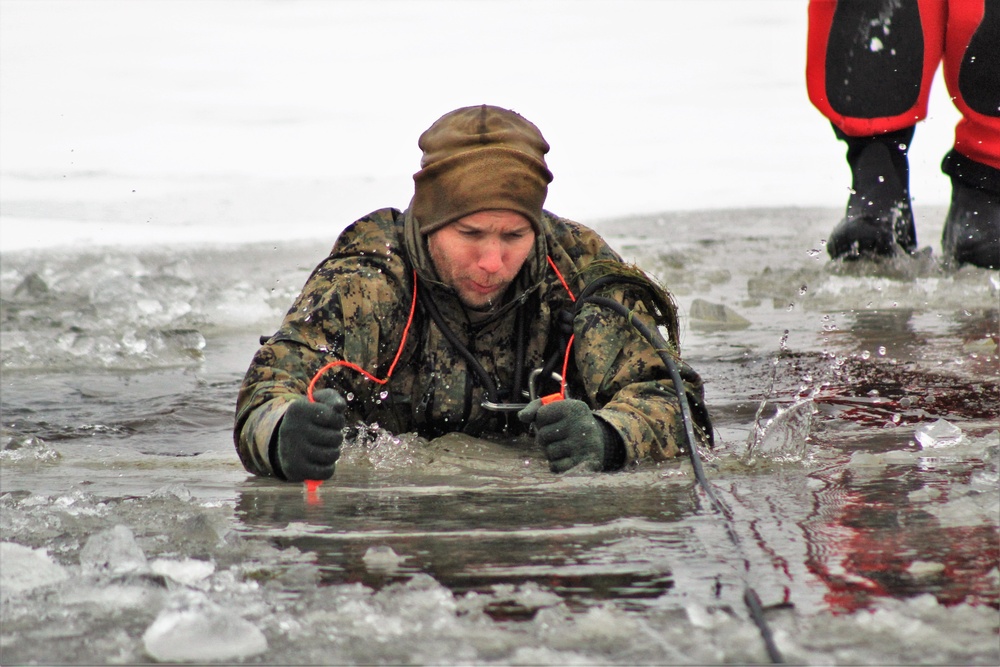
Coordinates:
310 436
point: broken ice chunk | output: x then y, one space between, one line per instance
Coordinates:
113 551
382 557
25 568
941 433
189 571
705 315
194 629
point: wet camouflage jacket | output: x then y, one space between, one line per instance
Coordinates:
355 307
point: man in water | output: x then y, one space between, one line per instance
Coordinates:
450 315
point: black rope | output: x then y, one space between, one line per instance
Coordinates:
489 386
750 597
521 343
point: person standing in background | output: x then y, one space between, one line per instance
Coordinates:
869 69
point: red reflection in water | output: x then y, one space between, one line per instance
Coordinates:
873 541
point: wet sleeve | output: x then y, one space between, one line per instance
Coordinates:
344 312
628 382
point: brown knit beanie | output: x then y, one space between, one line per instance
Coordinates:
476 159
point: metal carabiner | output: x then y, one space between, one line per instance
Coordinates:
532 394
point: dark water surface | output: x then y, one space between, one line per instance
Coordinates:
856 409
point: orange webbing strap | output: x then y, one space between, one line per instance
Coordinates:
312 485
569 346
358 369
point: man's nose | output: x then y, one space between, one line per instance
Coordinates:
491 257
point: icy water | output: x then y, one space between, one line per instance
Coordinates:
148 148
856 409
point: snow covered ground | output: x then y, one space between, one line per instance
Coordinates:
153 121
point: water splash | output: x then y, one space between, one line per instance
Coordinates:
785 436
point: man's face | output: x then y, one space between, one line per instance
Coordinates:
479 255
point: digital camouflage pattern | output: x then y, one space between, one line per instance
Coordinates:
355 306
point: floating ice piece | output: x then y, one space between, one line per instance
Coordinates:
382 557
113 551
971 510
941 433
924 494
189 571
178 491
130 592
900 457
29 449
530 596
701 617
860 458
194 629
24 568
705 315
922 568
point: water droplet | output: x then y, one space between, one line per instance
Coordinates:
866 355
803 289
881 350
384 394
350 396
791 307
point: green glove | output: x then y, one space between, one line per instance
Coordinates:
569 433
309 437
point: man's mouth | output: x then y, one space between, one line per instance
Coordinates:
480 288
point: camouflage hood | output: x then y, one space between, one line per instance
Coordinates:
528 280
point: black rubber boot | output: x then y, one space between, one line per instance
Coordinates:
879 218
972 228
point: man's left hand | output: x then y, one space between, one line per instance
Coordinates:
568 432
